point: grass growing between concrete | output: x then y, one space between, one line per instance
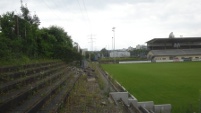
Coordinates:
23 60
98 76
175 83
87 98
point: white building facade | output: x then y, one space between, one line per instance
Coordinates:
119 54
84 51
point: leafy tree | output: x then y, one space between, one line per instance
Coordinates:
139 53
61 36
25 13
28 27
105 52
36 20
55 42
21 33
45 43
8 25
5 50
20 36
87 56
63 41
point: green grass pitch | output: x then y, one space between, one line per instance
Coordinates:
178 84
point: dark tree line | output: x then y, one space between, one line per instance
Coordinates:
141 53
21 36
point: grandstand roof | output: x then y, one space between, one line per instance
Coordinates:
184 39
176 52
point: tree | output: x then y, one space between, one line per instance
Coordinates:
105 52
5 50
62 47
141 53
20 36
62 40
28 28
25 13
8 25
36 20
61 36
21 30
45 43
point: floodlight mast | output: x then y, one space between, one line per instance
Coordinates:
113 29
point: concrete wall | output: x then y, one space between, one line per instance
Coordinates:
129 62
166 108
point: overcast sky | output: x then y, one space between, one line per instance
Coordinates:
136 21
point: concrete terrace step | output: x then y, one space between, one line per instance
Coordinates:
44 89
37 100
7 69
12 98
26 80
56 101
9 76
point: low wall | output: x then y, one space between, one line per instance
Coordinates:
157 61
128 62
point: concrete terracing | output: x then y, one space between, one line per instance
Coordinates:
141 107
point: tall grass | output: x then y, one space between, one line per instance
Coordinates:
174 83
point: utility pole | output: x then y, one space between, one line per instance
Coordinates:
91 41
16 25
112 44
25 31
0 24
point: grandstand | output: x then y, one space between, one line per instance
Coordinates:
174 43
174 49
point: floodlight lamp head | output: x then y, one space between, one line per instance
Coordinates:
113 28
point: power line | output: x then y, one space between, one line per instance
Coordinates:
86 11
83 10
90 27
80 9
88 20
55 14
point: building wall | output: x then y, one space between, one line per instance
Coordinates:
192 57
119 54
179 58
162 58
84 52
